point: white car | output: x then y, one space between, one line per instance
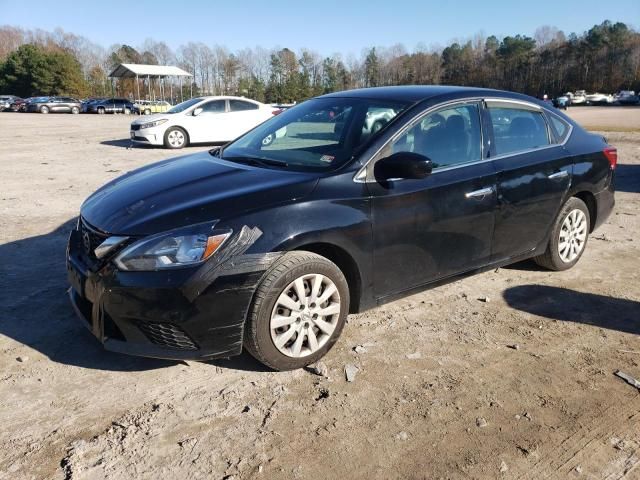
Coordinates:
599 99
201 120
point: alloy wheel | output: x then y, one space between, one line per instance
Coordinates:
305 315
176 138
573 235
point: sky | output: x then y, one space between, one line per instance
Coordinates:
326 26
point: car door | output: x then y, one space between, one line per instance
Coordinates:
209 123
534 175
67 104
54 104
243 116
441 225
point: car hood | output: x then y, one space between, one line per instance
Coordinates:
152 118
187 190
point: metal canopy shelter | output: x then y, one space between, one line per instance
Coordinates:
151 72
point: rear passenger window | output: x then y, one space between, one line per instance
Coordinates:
449 136
560 127
517 128
239 106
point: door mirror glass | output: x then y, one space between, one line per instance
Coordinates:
403 165
197 112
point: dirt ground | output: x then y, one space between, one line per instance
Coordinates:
518 386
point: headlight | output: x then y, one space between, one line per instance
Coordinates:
153 124
177 248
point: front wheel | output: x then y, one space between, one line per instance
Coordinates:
568 237
75 110
127 111
298 311
175 138
101 111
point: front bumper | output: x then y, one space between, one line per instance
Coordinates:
148 136
172 314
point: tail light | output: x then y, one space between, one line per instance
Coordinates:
276 112
612 155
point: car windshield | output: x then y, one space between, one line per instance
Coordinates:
319 134
181 107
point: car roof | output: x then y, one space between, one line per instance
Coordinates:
418 93
227 97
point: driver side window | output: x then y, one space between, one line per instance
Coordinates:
449 136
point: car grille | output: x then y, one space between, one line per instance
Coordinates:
167 335
91 238
135 127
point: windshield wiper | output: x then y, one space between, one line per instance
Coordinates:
263 162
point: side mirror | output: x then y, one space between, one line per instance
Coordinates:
405 165
197 111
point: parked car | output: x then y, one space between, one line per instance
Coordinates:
270 247
562 102
6 101
84 106
17 104
147 107
599 99
111 105
54 105
579 98
627 97
201 120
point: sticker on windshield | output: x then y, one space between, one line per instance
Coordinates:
327 158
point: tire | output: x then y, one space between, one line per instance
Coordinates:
101 111
281 278
44 109
175 138
556 257
75 110
127 111
147 111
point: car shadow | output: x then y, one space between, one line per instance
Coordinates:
37 313
559 303
627 178
123 143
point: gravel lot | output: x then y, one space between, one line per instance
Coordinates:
509 374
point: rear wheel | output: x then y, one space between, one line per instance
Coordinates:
175 138
44 109
127 111
568 237
101 110
147 111
298 312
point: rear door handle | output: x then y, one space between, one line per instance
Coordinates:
483 192
557 175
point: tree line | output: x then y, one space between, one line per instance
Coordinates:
605 58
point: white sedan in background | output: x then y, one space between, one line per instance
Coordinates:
201 120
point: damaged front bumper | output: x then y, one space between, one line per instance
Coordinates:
192 313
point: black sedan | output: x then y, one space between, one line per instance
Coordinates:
269 245
54 105
110 105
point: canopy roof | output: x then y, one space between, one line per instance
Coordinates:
131 70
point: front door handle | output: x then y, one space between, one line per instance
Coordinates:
483 192
558 175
